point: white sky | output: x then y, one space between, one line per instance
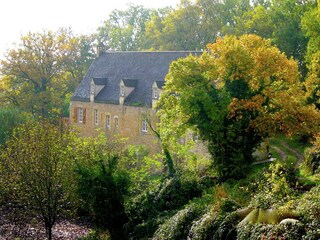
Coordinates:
18 17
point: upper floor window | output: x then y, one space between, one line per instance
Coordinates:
108 121
155 93
80 114
95 117
144 127
116 122
122 91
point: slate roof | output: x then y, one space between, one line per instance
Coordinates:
130 82
140 69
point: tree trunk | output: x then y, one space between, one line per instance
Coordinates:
49 231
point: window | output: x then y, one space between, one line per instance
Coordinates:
122 91
95 117
108 121
144 126
155 93
116 122
80 115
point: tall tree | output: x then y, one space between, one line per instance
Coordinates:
124 30
239 91
43 69
36 169
310 24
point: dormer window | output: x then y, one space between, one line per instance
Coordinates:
155 93
122 91
96 85
126 88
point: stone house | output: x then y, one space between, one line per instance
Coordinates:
119 93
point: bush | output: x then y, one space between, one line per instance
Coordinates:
312 159
277 186
102 191
263 231
177 227
152 208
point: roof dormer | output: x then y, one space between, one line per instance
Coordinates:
96 85
126 87
156 91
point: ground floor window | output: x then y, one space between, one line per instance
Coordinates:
108 121
80 114
144 126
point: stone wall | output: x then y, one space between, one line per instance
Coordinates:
129 125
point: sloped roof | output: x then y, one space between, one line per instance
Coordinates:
100 81
130 82
112 67
160 84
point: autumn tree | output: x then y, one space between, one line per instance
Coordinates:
43 69
236 93
36 170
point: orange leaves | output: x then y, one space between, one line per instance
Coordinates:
238 106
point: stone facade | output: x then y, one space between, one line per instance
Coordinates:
127 122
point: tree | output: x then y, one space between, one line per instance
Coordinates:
36 169
39 73
237 92
102 185
10 118
124 30
310 25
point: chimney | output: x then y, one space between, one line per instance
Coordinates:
101 48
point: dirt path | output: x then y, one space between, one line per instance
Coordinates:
298 154
283 154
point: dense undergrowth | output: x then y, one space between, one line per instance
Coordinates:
126 194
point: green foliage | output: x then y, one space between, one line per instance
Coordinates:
312 159
103 196
148 210
44 67
277 185
37 170
10 118
124 30
262 231
102 186
144 171
177 227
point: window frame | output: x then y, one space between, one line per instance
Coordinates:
96 116
80 114
155 93
116 122
122 91
108 121
144 126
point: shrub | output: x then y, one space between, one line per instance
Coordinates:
177 227
152 208
263 231
312 159
102 191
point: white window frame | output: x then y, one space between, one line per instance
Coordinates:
108 121
155 93
122 92
116 122
80 115
144 126
96 117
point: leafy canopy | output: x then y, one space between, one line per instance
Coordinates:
237 92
